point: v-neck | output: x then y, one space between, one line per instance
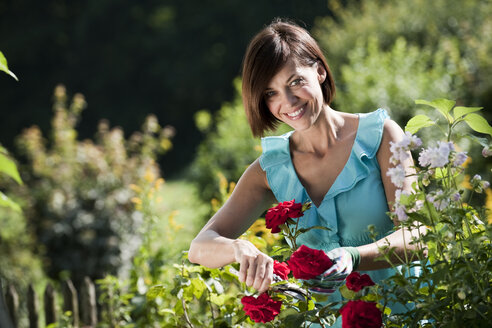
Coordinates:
332 187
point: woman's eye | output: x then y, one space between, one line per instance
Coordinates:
296 82
269 94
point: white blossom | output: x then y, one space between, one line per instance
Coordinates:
397 175
400 212
400 150
438 200
477 177
459 158
486 151
436 156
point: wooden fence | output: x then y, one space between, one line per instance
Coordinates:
84 313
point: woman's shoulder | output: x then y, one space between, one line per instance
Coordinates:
370 132
275 150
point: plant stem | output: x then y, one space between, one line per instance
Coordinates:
211 308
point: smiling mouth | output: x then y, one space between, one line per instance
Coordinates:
298 113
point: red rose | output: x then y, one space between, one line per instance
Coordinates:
281 269
307 263
279 214
360 314
355 281
261 309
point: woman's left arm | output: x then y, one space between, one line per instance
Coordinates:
400 239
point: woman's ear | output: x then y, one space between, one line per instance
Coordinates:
321 72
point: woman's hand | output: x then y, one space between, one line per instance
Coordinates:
255 267
345 260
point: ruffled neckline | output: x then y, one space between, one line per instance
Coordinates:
355 168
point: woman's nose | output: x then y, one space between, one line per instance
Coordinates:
290 98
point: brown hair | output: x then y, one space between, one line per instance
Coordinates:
266 54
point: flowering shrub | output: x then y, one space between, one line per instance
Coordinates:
453 288
79 202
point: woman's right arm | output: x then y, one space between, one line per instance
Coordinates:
217 245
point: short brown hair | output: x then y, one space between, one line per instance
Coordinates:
266 55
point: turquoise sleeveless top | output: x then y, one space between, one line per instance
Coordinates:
355 200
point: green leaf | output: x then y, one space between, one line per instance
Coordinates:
8 167
441 172
478 123
7 202
387 310
287 312
4 67
347 293
442 105
294 320
370 298
218 299
198 286
418 122
460 111
481 141
155 291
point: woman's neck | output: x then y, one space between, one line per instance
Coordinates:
324 134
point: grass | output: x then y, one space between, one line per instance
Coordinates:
183 215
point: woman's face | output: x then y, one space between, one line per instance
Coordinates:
294 94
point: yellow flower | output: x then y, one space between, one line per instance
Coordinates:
136 200
172 222
158 183
488 204
466 182
149 175
166 144
135 188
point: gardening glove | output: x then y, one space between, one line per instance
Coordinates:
345 260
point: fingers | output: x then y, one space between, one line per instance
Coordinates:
256 271
267 280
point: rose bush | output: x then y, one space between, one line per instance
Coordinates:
453 285
262 308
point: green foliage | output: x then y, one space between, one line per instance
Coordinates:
453 289
78 199
8 168
7 165
228 149
5 68
169 58
392 79
387 53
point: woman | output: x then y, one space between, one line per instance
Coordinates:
336 160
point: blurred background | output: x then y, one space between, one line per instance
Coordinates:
131 58
113 96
